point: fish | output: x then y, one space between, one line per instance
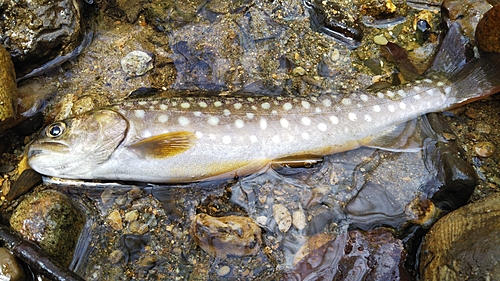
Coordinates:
196 138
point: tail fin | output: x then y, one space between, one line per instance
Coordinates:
470 80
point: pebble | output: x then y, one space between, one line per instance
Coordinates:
224 270
131 216
137 63
49 219
115 220
484 149
299 71
226 236
26 181
10 269
299 219
483 128
282 217
380 40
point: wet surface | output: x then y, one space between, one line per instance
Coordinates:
368 205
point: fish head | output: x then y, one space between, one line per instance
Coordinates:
74 147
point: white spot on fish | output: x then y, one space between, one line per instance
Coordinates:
417 89
211 136
239 123
139 113
274 112
368 118
305 135
306 121
352 116
402 93
376 108
185 105
254 107
142 102
183 121
213 120
447 90
226 139
253 138
227 112
284 123
427 80
263 123
380 95
317 110
250 99
430 92
237 105
402 105
391 108
163 118
198 134
217 104
287 106
163 106
440 84
390 94
417 97
266 105
197 113
250 115
276 139
174 103
202 104
146 134
346 101
305 104
322 127
363 97
334 119
327 102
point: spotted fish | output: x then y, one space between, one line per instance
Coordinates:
186 139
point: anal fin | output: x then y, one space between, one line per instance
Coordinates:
165 145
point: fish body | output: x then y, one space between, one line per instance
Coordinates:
186 139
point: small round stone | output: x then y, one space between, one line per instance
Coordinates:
224 270
484 149
380 40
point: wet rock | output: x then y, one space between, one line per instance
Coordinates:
464 245
226 236
132 246
10 269
26 181
299 219
50 219
467 13
115 220
282 217
484 149
8 87
37 31
487 31
356 255
137 63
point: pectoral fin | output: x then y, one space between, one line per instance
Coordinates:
165 145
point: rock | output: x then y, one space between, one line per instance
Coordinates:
50 219
26 181
137 63
465 244
355 255
115 220
380 40
10 269
282 217
37 31
484 149
226 236
487 31
8 87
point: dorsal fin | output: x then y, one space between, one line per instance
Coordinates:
165 145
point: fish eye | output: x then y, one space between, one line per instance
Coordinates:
55 130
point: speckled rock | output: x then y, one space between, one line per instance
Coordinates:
50 219
8 88
226 236
10 269
465 244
